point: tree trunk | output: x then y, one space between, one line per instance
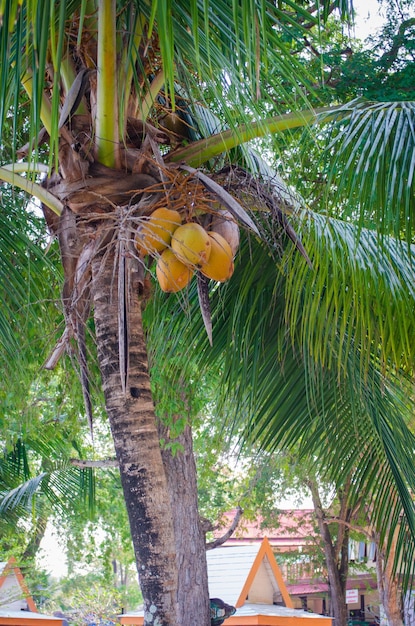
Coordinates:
337 576
34 542
388 585
193 592
133 425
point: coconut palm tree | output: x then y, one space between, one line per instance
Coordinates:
115 129
104 84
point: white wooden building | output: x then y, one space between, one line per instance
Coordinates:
17 607
248 578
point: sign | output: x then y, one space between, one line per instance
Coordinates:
352 596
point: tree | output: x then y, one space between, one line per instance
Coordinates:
104 130
106 65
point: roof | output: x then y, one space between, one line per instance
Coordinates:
17 607
282 611
294 528
248 577
14 594
266 615
305 589
237 572
27 618
365 581
253 615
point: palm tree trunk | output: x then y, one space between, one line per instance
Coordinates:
193 592
133 424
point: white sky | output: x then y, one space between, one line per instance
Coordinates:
368 18
51 555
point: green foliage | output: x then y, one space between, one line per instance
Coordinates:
365 74
90 597
105 540
35 279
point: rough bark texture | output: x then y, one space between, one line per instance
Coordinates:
193 592
99 259
133 426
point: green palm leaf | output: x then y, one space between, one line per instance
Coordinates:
356 292
370 161
234 49
60 483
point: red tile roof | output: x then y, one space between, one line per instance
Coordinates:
294 529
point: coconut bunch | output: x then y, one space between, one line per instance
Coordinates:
185 246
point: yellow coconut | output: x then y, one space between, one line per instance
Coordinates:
191 244
225 224
172 274
220 264
154 233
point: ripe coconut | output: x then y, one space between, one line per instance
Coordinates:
224 223
172 274
191 244
220 264
154 233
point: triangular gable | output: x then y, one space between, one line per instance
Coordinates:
14 593
264 572
249 573
228 569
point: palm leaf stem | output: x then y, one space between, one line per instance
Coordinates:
87 9
127 65
150 97
165 32
199 152
56 49
45 111
107 134
8 175
68 76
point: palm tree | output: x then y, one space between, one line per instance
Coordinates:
112 92
93 72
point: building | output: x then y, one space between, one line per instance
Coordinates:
293 541
248 577
17 607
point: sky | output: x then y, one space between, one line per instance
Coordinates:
52 556
368 19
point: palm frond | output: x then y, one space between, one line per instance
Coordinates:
315 384
21 497
23 264
357 292
233 50
60 483
369 161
